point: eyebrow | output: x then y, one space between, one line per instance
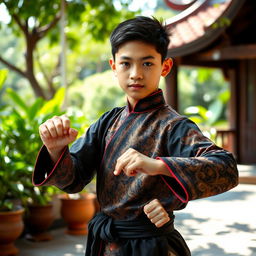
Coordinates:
143 58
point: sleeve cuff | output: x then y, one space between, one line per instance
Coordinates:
44 168
174 184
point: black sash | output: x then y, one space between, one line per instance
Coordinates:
136 238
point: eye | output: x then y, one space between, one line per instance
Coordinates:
147 64
125 64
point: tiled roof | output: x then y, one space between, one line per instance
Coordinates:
196 24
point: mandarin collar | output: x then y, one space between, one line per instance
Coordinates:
151 102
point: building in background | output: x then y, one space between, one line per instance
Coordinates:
220 34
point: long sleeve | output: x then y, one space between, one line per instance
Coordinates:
71 172
76 167
200 168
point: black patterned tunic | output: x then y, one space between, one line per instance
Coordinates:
199 168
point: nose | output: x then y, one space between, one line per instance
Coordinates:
136 73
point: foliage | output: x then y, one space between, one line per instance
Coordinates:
21 140
211 117
6 189
97 94
3 75
200 86
165 14
204 95
221 22
89 17
20 143
12 49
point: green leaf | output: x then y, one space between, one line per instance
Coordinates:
54 104
200 110
196 119
216 109
8 205
203 112
18 100
204 74
3 75
224 96
35 108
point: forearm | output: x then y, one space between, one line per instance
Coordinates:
48 172
56 154
162 168
206 175
63 174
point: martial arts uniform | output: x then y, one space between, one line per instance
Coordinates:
199 169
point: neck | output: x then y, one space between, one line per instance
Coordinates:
131 103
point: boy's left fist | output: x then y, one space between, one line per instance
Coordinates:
156 213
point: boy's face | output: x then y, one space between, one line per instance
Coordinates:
138 68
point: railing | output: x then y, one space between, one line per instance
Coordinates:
226 139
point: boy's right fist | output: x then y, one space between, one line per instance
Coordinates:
56 134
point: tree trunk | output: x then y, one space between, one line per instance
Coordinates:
31 43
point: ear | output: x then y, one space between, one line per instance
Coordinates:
112 65
167 66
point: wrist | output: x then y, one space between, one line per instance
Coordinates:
55 153
162 168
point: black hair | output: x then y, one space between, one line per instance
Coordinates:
141 28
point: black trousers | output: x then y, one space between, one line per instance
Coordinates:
136 238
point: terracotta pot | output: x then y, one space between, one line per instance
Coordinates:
11 227
38 220
77 213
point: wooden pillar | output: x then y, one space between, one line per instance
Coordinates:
171 88
233 116
247 94
242 111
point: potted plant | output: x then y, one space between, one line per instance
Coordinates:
39 216
11 211
21 121
20 125
24 141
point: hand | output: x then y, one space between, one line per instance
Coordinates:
133 162
56 134
156 213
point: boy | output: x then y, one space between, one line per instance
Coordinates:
140 152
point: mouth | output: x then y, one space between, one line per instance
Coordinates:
135 86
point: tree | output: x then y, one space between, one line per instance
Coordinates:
38 19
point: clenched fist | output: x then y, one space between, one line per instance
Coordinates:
132 162
156 213
56 134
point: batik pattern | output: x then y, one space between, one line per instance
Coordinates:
199 168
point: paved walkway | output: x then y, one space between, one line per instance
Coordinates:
223 225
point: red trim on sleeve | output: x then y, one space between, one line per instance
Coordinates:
55 166
179 182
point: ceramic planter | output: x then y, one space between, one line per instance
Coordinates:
77 213
38 220
11 227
